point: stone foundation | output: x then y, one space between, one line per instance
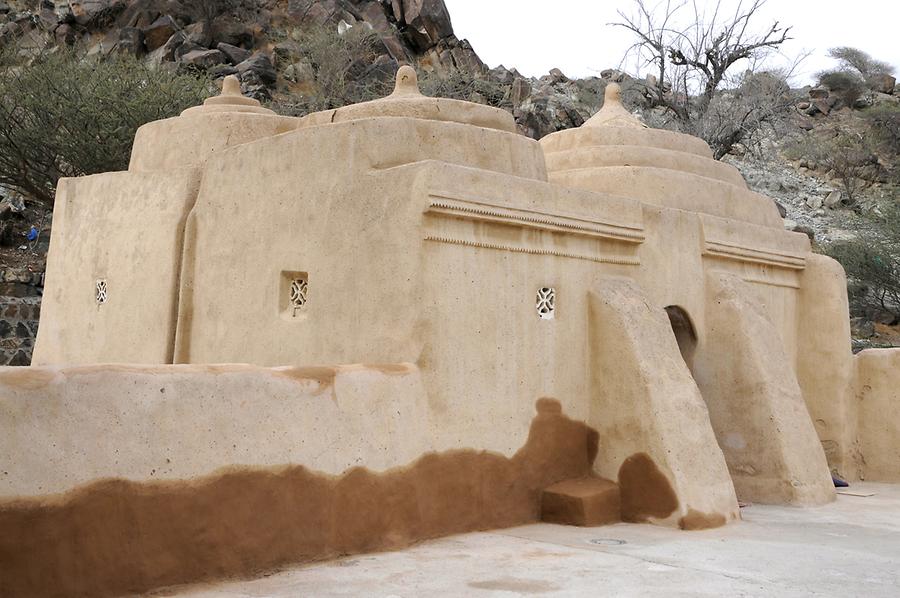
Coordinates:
20 310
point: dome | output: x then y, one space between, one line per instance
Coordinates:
408 101
614 152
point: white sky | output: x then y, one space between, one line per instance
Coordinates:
572 35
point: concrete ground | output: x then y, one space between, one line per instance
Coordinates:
848 548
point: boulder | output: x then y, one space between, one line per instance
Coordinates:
233 32
131 41
814 203
521 91
373 14
427 21
261 66
222 70
806 230
613 75
823 106
65 34
396 9
300 72
97 13
782 211
253 87
159 32
186 47
234 54
204 59
862 327
464 57
396 49
172 45
502 75
833 199
883 83
558 76
545 112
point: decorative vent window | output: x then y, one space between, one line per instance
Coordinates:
293 295
546 303
100 292
299 289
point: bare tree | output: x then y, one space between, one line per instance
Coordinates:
694 61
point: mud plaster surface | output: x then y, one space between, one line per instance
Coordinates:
586 501
645 490
114 537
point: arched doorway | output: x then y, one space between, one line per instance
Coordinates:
684 333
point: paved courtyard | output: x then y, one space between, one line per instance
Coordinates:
848 548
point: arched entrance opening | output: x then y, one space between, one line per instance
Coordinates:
684 333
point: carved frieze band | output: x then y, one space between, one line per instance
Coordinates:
772 282
479 210
622 260
790 261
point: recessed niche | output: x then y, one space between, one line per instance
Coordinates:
546 303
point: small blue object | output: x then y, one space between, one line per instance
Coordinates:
33 233
838 482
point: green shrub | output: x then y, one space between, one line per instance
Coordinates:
460 85
848 154
843 84
872 263
884 121
342 68
64 115
853 59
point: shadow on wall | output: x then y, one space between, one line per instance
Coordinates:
114 537
684 333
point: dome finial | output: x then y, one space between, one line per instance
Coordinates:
231 86
407 82
613 113
612 95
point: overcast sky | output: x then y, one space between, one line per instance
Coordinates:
572 35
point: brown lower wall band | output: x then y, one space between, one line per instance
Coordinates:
116 537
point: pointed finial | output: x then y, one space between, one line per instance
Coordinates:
407 82
230 100
613 113
231 86
612 95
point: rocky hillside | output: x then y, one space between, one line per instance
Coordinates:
301 55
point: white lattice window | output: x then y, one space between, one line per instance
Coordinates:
546 303
101 292
299 289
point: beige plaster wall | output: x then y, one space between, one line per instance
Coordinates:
877 386
212 472
825 362
356 234
66 427
126 229
755 403
644 400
